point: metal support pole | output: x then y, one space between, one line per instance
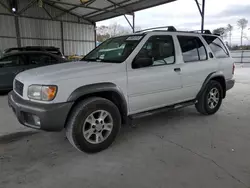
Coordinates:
128 22
95 35
17 32
198 6
202 15
62 38
241 59
133 22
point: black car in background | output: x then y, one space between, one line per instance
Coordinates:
13 63
50 49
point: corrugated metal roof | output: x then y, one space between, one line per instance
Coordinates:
97 10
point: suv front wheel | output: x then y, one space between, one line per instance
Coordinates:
210 99
93 124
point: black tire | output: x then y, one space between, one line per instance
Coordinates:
202 105
74 126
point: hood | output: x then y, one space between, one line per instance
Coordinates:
68 70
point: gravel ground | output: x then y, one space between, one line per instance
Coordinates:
175 149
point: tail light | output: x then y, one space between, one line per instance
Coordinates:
233 68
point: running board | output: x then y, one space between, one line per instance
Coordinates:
164 109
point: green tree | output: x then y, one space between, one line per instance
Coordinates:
242 24
222 31
230 29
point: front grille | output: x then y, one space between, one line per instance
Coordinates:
18 87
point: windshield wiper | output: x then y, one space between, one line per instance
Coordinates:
101 60
88 59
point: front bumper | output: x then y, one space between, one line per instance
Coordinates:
230 84
52 117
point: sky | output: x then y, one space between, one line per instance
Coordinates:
184 15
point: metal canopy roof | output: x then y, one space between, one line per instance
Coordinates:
98 10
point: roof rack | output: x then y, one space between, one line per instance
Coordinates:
169 28
202 32
173 29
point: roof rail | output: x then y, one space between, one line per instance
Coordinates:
169 28
202 32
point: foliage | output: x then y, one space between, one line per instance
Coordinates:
242 23
222 31
115 29
230 27
237 47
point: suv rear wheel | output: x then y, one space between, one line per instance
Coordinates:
210 100
93 124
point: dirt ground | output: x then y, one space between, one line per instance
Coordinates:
176 149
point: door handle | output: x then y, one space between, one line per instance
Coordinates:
177 69
211 55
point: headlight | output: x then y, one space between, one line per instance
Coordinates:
40 92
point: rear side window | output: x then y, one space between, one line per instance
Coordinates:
37 59
217 46
11 61
192 49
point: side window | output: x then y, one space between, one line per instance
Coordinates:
53 60
160 49
217 46
201 50
10 61
38 59
192 49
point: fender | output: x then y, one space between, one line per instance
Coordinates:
98 88
212 76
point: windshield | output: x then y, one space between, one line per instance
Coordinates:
114 50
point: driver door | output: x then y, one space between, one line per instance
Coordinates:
158 84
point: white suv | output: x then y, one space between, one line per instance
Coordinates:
125 77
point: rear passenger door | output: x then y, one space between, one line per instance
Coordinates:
221 54
197 64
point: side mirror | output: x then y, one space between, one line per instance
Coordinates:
142 62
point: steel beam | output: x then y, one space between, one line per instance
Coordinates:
27 7
37 18
64 10
57 39
115 4
47 13
60 8
86 15
83 6
8 37
17 32
89 2
73 8
203 15
95 33
198 5
120 12
62 37
133 22
202 12
128 21
6 7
